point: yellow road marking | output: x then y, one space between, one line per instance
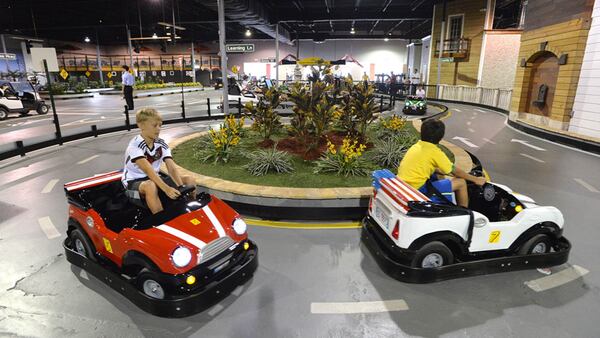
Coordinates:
301 225
447 116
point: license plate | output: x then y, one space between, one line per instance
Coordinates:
381 216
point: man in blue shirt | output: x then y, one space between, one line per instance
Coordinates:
128 81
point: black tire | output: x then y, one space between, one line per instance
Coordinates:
81 243
43 109
436 253
147 282
540 243
3 114
24 114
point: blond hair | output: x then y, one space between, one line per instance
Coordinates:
146 114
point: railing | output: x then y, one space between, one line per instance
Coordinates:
493 97
456 48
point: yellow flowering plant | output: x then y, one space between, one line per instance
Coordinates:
346 160
221 142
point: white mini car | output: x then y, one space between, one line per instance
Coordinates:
420 239
20 98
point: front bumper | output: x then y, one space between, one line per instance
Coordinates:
178 305
409 110
402 271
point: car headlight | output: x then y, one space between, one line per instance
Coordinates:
181 256
407 103
239 226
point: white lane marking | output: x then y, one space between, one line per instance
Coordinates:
182 235
465 141
481 111
474 117
48 227
84 114
88 159
359 307
468 123
586 185
48 188
214 220
557 279
471 130
489 141
525 143
458 110
533 158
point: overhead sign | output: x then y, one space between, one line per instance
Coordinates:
38 55
8 56
240 48
447 60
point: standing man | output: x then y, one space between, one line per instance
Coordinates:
128 82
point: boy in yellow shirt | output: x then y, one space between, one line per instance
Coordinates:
424 159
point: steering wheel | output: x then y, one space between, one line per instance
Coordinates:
185 190
489 192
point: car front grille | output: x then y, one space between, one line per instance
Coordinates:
215 247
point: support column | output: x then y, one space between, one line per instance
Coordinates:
439 70
193 63
277 53
130 48
98 60
221 11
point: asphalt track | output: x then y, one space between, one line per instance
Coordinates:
310 283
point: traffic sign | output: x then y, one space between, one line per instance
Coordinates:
8 56
240 48
87 73
109 75
64 74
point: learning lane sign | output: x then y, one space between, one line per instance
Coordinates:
240 48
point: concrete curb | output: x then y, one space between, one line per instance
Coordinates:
68 96
142 94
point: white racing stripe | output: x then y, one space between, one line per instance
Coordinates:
48 188
533 158
88 159
586 185
557 279
214 220
182 235
359 307
48 227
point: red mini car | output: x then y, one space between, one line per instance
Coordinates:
173 263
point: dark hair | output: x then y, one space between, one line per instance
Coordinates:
126 67
432 131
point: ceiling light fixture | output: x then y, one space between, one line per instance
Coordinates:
248 32
87 39
386 39
352 30
154 36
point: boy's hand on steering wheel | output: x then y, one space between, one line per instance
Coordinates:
480 181
172 193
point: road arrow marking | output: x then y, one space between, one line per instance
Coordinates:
48 188
525 143
48 227
489 141
586 185
560 278
532 158
465 141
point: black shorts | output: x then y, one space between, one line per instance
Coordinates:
133 186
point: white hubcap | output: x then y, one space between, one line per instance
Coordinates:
539 248
153 289
433 260
79 247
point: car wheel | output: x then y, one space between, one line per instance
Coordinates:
433 255
148 283
82 244
43 109
3 114
537 244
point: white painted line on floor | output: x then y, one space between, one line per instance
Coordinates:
84 114
471 130
468 123
48 188
88 159
481 111
557 279
586 185
359 307
465 141
48 227
473 117
525 143
489 141
533 158
458 110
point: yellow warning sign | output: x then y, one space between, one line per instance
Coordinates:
64 74
109 75
107 245
87 73
235 69
195 221
494 237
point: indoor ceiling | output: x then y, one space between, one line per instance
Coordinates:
72 20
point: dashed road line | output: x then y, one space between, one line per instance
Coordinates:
48 188
458 110
481 111
533 158
88 159
468 123
359 307
525 143
489 141
48 227
560 278
586 185
471 130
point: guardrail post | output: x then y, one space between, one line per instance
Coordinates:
95 130
240 106
126 112
381 103
208 104
461 94
183 110
496 97
21 148
56 122
479 95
